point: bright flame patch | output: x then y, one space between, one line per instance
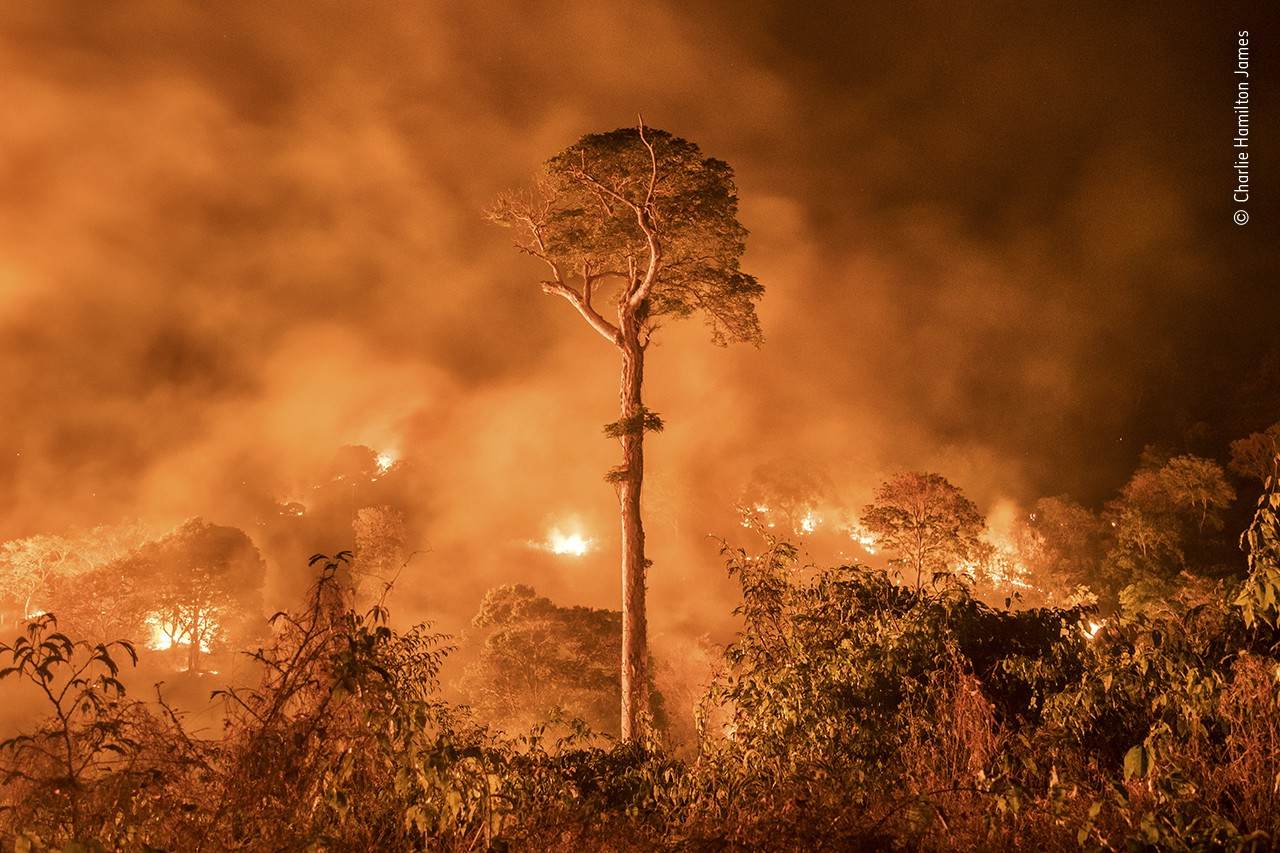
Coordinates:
572 544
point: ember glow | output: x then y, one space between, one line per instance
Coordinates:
166 635
162 637
567 544
866 540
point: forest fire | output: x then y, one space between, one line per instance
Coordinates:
810 522
638 427
866 540
162 637
166 634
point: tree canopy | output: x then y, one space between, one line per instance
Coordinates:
644 208
925 522
539 658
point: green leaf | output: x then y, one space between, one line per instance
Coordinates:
1137 762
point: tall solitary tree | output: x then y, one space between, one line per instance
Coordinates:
637 220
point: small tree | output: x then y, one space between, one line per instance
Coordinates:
205 584
644 213
1060 541
539 659
87 735
925 522
1144 521
29 567
1257 456
1200 487
381 546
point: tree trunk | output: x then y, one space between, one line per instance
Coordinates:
634 628
193 651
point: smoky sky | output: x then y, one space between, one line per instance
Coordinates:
995 242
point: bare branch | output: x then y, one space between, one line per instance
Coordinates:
580 302
525 216
641 293
580 173
606 329
653 161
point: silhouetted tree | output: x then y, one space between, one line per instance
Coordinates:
203 582
104 603
539 658
1199 487
1257 456
644 213
787 491
382 545
925 522
1060 541
1145 527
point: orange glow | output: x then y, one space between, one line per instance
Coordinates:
866 540
567 544
161 638
165 635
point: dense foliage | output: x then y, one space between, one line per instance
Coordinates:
849 711
541 662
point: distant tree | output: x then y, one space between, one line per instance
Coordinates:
1199 486
539 658
106 543
105 603
789 492
1060 542
29 566
925 522
644 212
1160 513
1155 455
204 585
1257 455
994 572
1144 521
354 462
34 571
382 543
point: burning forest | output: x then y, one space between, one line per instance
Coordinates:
696 427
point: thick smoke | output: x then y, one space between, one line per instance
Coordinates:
236 238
